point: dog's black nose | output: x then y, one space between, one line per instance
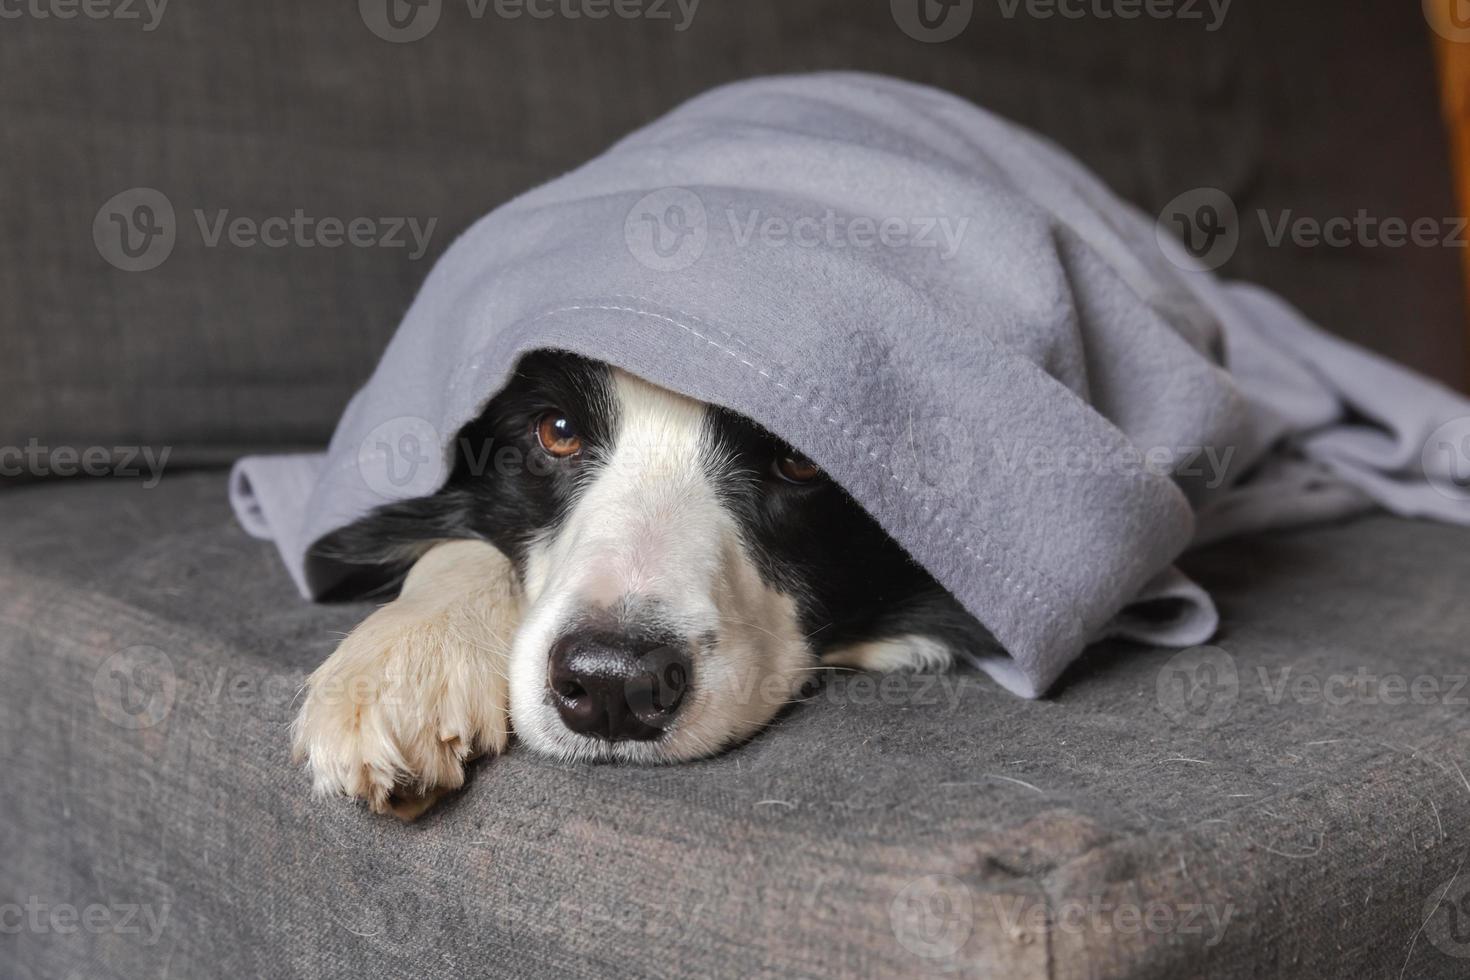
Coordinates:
617 687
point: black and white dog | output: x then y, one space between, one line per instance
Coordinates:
652 581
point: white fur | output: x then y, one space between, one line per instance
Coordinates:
651 526
917 654
418 688
433 678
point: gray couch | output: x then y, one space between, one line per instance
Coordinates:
1292 801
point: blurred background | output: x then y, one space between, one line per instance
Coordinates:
170 122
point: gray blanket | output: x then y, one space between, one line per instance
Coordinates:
1037 395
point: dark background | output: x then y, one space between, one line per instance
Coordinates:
261 108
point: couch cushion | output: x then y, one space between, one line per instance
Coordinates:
256 111
1174 814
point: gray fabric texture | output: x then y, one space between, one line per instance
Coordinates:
1328 827
1002 362
1314 107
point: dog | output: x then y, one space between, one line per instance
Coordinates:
613 571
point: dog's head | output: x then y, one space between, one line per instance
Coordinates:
683 569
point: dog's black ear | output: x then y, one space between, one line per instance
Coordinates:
378 550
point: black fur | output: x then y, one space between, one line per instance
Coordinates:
851 581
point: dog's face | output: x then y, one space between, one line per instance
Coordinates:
683 570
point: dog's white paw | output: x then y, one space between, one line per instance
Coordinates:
418 689
908 653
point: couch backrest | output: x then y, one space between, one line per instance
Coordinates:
231 110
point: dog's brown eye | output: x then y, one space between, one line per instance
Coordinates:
795 469
557 435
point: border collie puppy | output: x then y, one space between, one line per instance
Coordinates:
615 572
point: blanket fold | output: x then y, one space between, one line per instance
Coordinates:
997 358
